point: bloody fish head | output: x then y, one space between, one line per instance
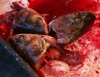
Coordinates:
70 27
30 46
25 20
29 21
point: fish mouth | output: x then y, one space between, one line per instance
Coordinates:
91 16
87 17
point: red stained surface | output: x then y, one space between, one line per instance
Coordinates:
4 30
84 45
61 7
56 8
40 73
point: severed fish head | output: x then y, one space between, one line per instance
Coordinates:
70 27
29 46
25 20
29 21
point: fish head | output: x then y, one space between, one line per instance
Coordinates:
29 43
70 27
29 21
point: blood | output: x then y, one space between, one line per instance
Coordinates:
4 31
96 58
97 72
40 73
61 7
56 8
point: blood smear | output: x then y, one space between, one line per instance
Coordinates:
89 44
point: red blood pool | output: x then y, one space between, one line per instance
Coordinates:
56 8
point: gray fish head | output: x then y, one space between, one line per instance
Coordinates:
29 46
71 22
29 21
32 44
72 26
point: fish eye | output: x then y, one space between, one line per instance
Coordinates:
39 20
21 38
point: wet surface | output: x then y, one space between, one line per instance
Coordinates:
89 44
